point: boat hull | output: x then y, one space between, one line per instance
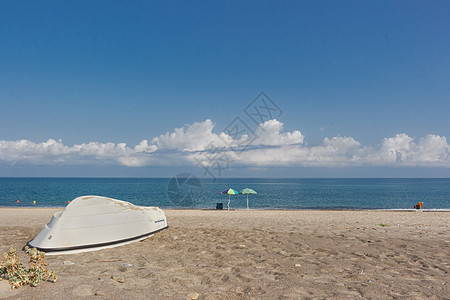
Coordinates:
92 223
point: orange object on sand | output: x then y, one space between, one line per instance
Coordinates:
418 205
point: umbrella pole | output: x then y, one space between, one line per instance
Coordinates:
247 201
229 199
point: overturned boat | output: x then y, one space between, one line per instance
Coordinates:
92 223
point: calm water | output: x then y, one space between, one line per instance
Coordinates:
272 193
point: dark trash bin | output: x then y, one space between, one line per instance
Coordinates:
219 205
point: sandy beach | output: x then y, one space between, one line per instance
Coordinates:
252 255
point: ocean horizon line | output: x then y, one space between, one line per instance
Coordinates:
209 178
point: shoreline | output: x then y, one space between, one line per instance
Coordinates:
240 254
266 209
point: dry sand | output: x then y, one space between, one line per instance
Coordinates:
252 255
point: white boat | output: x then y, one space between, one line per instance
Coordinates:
92 223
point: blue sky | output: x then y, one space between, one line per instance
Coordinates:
364 87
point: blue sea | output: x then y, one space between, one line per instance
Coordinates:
186 191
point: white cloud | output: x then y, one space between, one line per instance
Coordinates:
269 133
337 150
55 152
195 137
144 147
270 147
431 150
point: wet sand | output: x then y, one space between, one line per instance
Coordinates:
252 255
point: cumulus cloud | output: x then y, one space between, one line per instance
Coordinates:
270 146
195 137
55 152
269 133
431 150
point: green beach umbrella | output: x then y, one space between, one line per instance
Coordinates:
247 191
229 192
